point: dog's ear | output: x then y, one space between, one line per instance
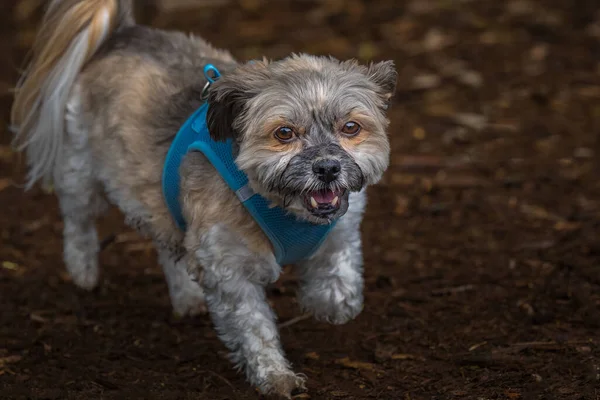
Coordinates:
228 97
225 101
385 76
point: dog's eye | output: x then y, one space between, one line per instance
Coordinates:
351 128
284 134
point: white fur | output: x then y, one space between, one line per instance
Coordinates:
331 281
44 144
187 297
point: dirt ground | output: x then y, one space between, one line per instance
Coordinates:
482 243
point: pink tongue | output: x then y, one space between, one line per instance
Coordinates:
323 196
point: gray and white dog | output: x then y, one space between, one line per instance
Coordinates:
101 101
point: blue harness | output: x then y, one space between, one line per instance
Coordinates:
293 240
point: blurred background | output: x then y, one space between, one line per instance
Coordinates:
482 245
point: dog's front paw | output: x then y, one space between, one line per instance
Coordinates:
283 385
188 301
332 301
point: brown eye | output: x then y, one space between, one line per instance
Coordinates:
351 128
284 134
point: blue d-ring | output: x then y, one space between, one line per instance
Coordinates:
211 68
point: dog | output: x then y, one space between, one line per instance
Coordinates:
101 102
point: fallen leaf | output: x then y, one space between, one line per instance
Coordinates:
583 152
470 78
401 356
10 265
402 205
539 52
476 122
540 213
37 318
459 135
419 133
367 51
566 226
589 91
425 81
346 362
9 360
583 349
339 393
436 40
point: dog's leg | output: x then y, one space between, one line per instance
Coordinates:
187 297
80 201
234 280
331 282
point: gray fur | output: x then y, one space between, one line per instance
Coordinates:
131 100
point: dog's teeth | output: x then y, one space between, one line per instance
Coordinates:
313 202
335 201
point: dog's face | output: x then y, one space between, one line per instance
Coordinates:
309 130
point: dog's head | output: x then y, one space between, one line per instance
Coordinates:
309 130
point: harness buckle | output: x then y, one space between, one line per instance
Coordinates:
211 73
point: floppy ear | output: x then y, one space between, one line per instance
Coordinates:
225 101
385 76
228 96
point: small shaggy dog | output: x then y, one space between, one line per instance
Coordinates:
97 112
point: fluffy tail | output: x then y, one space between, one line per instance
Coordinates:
70 34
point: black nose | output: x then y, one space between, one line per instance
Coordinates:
327 169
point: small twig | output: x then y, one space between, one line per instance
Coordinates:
549 344
453 290
106 384
295 320
225 380
486 359
478 345
379 335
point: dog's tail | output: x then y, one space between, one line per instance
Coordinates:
70 33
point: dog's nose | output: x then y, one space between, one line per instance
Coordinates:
327 169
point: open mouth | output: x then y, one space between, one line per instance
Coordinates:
323 202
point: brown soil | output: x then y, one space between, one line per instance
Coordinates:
482 243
